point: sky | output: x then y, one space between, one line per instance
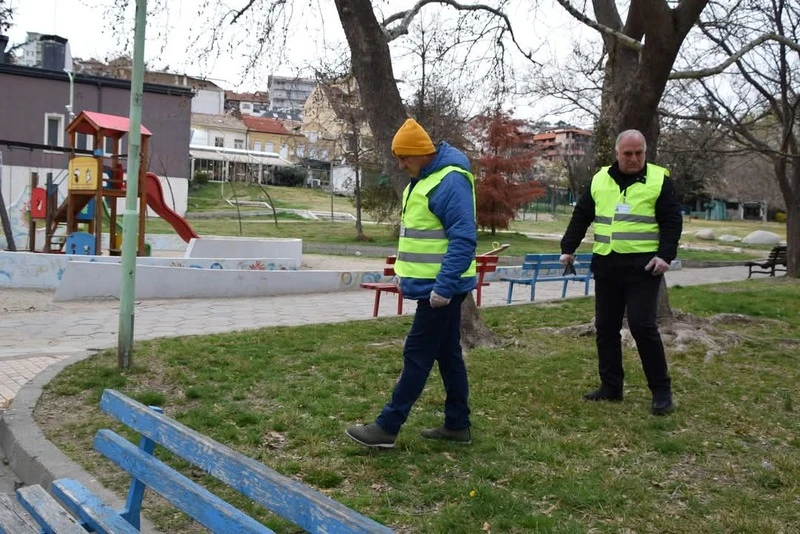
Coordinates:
316 37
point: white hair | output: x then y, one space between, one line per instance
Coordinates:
630 133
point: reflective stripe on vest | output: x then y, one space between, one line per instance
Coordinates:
423 243
626 222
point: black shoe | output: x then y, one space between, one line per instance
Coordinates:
604 393
463 436
662 403
371 435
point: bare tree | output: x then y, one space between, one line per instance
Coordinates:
758 92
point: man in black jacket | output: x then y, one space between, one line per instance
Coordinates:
637 226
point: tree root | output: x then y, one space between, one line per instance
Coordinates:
683 329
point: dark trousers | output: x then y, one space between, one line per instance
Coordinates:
435 336
636 290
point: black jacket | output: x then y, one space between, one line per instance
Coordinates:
668 217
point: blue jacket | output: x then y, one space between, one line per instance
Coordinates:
451 202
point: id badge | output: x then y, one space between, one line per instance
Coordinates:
623 208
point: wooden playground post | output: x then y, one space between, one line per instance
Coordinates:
31 220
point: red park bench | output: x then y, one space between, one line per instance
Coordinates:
484 263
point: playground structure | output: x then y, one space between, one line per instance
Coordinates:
92 192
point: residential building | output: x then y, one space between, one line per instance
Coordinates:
208 97
270 135
335 123
220 149
556 145
222 131
289 93
49 52
246 103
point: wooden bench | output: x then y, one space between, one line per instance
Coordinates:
484 263
775 262
297 503
547 268
388 287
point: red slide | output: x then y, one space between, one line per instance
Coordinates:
155 201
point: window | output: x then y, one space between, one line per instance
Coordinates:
312 136
301 149
84 141
257 146
219 141
284 151
238 143
54 129
108 145
269 147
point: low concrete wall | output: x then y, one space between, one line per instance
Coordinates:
28 270
87 280
245 247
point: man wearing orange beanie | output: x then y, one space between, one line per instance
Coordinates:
436 266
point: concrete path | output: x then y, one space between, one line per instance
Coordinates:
37 345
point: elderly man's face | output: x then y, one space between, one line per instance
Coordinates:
412 164
630 155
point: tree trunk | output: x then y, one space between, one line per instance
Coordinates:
474 332
635 80
372 67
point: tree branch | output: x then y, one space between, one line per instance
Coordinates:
242 11
605 30
405 18
719 69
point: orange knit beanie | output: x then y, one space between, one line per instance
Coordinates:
412 140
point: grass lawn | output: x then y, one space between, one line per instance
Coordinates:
542 460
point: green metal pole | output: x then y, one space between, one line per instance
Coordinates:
130 222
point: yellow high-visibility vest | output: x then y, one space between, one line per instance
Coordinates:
423 243
625 222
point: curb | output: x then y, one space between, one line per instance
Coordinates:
32 457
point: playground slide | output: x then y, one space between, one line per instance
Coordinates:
155 200
107 215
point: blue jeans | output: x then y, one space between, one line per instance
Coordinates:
435 336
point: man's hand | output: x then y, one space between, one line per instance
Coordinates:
657 266
438 301
566 259
396 281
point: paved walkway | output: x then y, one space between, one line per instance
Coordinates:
34 341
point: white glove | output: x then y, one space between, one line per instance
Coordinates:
438 301
657 266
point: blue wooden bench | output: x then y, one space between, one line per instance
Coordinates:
287 498
546 268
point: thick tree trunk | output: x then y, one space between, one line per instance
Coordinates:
372 67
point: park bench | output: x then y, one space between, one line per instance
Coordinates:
388 287
547 268
484 263
775 262
297 503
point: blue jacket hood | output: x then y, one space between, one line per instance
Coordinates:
446 155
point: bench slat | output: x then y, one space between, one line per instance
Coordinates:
100 517
186 495
14 519
47 511
296 502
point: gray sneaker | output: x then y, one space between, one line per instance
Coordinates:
463 436
371 435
